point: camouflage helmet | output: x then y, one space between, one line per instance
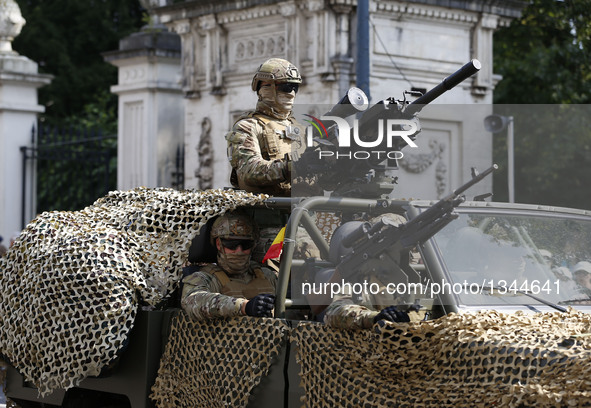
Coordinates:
276 70
235 225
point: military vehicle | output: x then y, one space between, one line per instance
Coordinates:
91 317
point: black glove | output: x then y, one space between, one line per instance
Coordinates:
260 306
392 314
310 163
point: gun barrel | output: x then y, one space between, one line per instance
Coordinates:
448 83
370 242
475 180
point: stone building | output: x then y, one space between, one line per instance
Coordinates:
19 81
411 45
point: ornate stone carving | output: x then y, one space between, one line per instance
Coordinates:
287 9
11 24
207 22
342 3
248 14
482 39
205 153
259 47
427 12
314 5
440 177
418 163
150 5
181 27
189 69
132 74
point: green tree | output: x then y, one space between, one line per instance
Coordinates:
86 152
544 58
67 38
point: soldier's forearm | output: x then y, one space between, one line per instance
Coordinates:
202 305
263 173
349 316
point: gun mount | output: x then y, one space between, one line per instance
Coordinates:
381 246
365 142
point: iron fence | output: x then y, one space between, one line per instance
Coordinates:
73 167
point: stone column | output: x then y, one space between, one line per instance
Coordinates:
292 32
151 108
210 32
484 82
342 62
19 81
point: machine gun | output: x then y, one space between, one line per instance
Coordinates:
358 168
379 248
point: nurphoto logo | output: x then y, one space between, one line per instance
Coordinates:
387 130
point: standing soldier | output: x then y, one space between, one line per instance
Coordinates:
261 141
236 285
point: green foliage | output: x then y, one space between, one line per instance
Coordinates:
100 112
75 166
66 38
545 59
544 56
78 163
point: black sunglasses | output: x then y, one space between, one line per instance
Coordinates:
232 244
287 87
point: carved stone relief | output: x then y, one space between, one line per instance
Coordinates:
11 23
132 74
259 47
313 5
418 163
189 84
205 154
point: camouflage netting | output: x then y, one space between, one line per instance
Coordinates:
473 360
327 223
71 284
216 363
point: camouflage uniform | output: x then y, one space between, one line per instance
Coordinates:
221 290
261 142
357 311
205 296
348 311
257 145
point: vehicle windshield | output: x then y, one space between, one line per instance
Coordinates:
495 259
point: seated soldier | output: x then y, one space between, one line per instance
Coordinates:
235 285
361 311
260 140
352 312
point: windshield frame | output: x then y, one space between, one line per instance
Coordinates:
454 302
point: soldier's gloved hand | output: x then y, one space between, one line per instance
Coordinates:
260 306
392 314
